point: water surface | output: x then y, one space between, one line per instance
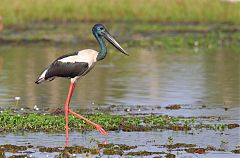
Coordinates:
145 141
146 80
149 76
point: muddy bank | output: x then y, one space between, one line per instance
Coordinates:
142 34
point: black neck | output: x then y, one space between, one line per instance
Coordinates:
103 48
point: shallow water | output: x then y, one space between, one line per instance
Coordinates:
148 141
150 76
143 83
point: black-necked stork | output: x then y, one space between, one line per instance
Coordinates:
78 64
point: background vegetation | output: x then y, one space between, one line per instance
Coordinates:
20 12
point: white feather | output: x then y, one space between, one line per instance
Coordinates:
42 77
88 55
43 74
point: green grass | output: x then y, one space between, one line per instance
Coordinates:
16 12
148 35
209 41
10 121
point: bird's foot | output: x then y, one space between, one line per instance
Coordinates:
101 130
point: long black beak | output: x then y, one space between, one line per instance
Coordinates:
110 39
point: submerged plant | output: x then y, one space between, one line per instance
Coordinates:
223 145
169 141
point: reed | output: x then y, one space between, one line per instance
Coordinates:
16 12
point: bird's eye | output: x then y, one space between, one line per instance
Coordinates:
101 28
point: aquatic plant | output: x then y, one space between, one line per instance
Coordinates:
12 121
237 151
17 100
169 141
143 153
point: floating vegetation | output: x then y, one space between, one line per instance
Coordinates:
196 150
169 155
119 146
71 150
143 153
179 145
174 107
210 148
63 155
233 125
2 153
112 152
237 151
49 150
18 156
105 149
115 149
81 149
12 121
13 148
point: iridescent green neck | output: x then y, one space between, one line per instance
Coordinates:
103 48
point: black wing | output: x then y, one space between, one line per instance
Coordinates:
66 69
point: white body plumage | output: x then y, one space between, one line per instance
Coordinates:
71 66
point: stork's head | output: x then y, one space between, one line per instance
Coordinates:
101 31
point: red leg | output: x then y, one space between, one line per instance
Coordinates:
66 108
99 128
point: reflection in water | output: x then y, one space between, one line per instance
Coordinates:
147 77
